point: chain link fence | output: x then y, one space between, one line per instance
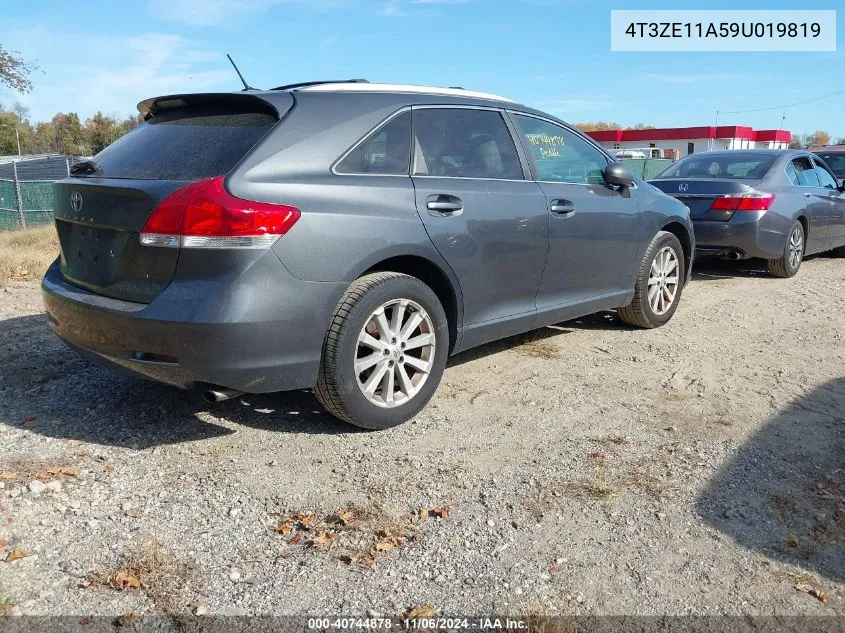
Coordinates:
26 189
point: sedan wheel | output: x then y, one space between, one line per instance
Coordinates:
793 253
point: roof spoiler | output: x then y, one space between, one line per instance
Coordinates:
156 105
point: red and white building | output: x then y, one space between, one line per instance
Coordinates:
690 140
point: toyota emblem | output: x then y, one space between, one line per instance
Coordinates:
76 201
683 187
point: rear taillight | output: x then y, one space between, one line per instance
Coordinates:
205 215
756 201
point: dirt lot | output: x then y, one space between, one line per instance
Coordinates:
588 468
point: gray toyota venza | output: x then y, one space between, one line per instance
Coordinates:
348 237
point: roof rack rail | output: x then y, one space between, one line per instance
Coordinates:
305 84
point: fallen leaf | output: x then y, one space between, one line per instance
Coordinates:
84 583
127 619
388 542
305 519
110 468
124 579
424 512
346 516
366 560
3 542
323 540
419 612
295 539
441 512
818 594
7 474
284 528
554 569
85 621
15 554
791 540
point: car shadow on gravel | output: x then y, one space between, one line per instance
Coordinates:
783 493
715 268
49 389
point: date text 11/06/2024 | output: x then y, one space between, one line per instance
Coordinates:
422 624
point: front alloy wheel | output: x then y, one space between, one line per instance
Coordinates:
663 280
659 283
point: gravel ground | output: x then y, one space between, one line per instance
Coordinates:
588 468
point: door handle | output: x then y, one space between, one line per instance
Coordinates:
444 204
562 207
807 194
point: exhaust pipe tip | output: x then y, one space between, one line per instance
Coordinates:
219 395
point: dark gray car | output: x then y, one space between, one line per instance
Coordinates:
348 237
779 205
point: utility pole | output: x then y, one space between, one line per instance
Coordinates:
715 127
17 135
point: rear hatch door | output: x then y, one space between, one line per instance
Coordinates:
99 215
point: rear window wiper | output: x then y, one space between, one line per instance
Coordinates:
84 167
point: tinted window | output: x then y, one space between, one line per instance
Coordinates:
792 174
825 178
386 151
732 165
836 162
559 155
184 144
463 143
805 172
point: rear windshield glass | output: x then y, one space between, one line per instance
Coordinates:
735 165
184 144
836 162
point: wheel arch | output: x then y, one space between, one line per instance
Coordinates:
805 224
679 230
435 278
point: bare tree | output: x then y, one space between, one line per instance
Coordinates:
14 71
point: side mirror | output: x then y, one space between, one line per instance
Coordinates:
618 174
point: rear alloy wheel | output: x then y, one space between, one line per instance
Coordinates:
385 351
659 284
793 253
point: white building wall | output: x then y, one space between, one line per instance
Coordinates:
699 144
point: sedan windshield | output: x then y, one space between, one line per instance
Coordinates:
836 162
733 165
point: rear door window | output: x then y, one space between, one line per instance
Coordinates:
826 179
387 151
185 144
464 143
805 172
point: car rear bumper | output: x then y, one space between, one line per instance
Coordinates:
260 332
746 234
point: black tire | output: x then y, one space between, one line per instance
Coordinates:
639 312
337 385
784 266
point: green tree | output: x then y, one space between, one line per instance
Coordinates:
14 71
101 131
68 135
